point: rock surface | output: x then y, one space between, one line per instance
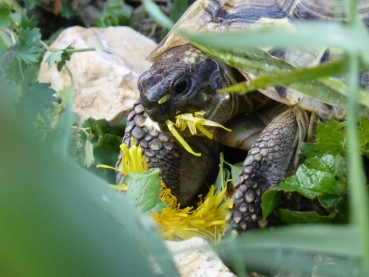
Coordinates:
105 79
195 258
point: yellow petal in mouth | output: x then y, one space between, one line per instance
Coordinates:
181 140
164 99
194 122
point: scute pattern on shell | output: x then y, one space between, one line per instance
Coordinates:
230 15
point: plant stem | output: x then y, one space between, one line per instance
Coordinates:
358 195
47 47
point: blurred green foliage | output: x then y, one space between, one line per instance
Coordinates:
60 220
57 218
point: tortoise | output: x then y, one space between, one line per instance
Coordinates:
272 123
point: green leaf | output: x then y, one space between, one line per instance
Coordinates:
322 176
30 4
36 98
8 89
270 200
28 43
115 13
272 250
223 175
68 9
292 217
143 189
5 15
59 220
107 148
178 8
65 56
325 174
331 136
54 57
235 171
5 44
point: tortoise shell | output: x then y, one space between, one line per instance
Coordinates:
230 15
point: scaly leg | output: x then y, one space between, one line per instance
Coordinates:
159 148
182 172
274 154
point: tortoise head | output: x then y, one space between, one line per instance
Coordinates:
184 80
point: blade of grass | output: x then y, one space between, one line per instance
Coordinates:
302 36
272 249
328 239
60 220
288 78
357 179
255 60
61 144
154 11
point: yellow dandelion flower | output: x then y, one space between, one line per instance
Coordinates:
206 221
176 223
133 160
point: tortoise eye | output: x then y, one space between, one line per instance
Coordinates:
182 85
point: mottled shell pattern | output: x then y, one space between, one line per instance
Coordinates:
230 15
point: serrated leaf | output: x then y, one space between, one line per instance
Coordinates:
235 171
54 57
320 175
65 56
143 189
27 22
28 43
97 127
36 98
331 136
292 217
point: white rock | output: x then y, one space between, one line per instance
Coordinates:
105 79
195 258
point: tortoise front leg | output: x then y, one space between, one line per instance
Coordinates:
182 172
160 149
274 154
